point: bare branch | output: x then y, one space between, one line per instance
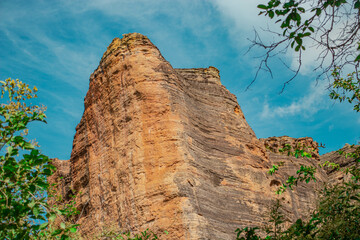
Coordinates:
333 29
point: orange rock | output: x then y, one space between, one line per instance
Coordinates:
168 149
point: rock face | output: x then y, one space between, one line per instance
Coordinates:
340 159
282 145
170 149
296 203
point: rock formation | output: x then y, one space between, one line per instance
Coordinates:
275 144
170 149
343 162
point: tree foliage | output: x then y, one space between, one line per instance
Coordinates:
118 235
337 212
304 174
337 216
24 210
346 89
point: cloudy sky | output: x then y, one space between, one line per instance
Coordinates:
57 44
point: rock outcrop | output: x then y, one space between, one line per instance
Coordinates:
170 149
284 144
298 203
341 160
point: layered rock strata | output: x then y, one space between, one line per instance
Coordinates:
301 201
285 144
343 162
169 149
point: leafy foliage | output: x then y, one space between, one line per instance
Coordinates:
276 218
304 174
338 213
299 151
274 169
24 211
343 87
250 234
116 235
337 216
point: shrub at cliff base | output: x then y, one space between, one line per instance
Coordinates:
24 210
336 217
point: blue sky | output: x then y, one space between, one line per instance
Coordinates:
56 45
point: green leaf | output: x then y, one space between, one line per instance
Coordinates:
10 150
298 19
44 225
357 5
64 237
47 172
36 211
62 225
31 204
56 232
28 145
32 188
73 230
271 13
34 152
301 9
52 217
357 59
284 32
261 6
298 40
318 12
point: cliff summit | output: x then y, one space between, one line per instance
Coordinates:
170 149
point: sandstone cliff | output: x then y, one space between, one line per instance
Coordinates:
170 149
343 162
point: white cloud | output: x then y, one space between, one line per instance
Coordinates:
243 13
242 17
304 106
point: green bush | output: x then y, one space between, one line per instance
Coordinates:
24 210
118 235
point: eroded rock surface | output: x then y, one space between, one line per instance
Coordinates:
343 162
170 149
284 144
62 178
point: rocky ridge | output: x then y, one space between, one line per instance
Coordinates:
170 149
